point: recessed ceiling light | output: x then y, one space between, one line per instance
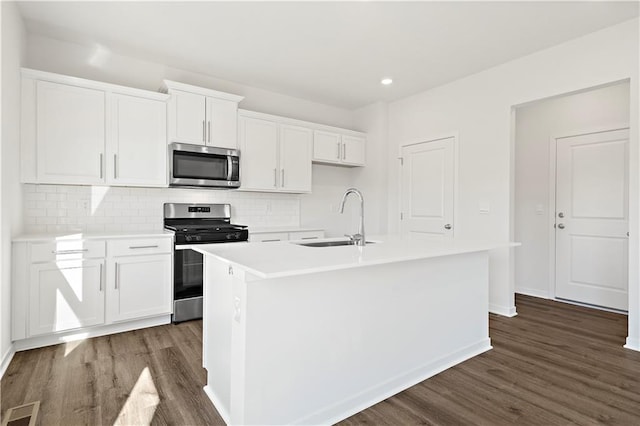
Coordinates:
386 81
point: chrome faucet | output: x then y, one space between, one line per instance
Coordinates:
357 239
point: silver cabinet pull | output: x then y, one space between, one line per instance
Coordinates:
269 241
69 251
209 127
309 238
338 153
447 226
101 277
100 165
142 247
275 178
115 165
204 132
282 178
561 225
116 284
344 151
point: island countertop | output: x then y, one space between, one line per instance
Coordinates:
287 258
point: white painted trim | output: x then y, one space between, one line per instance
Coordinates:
534 292
553 146
301 123
92 84
85 333
504 311
456 168
6 359
633 344
368 397
587 305
217 403
169 85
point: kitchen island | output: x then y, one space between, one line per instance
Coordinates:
294 334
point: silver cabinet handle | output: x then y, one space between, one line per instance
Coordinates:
309 238
269 241
344 151
561 225
100 165
142 247
204 132
275 178
115 165
338 146
447 226
69 251
209 127
116 284
282 177
101 277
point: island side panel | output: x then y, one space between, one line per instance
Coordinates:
216 333
320 347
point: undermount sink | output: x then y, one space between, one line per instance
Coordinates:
331 243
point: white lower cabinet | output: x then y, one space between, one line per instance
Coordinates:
72 285
66 295
139 286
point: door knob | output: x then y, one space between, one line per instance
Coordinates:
561 225
561 214
447 226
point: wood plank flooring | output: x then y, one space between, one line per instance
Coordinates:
553 364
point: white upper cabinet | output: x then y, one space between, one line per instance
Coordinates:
83 132
336 148
274 157
70 134
137 153
295 158
258 154
202 116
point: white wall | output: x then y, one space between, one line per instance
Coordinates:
13 50
602 108
478 108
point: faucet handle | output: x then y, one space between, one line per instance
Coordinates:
354 238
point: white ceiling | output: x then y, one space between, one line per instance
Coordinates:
329 52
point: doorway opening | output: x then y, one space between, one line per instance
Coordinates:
570 197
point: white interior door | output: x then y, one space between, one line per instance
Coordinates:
427 189
592 198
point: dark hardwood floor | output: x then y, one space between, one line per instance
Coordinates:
553 364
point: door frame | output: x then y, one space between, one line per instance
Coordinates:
454 135
553 144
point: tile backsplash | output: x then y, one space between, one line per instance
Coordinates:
62 208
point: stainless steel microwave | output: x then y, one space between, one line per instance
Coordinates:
203 166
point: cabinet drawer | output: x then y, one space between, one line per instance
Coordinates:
136 246
269 237
306 235
67 250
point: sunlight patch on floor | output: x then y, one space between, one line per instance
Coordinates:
142 402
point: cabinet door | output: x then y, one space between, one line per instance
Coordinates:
70 134
353 150
326 146
65 295
139 286
187 120
258 154
137 153
295 158
222 128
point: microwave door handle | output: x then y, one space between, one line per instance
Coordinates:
229 168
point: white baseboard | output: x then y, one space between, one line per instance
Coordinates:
217 404
365 399
505 311
85 333
6 359
535 292
633 344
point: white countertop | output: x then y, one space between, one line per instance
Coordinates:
285 258
282 229
79 235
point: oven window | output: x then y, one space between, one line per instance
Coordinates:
196 165
188 273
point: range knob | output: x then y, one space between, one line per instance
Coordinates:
187 237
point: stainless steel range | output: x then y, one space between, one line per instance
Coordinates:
196 224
